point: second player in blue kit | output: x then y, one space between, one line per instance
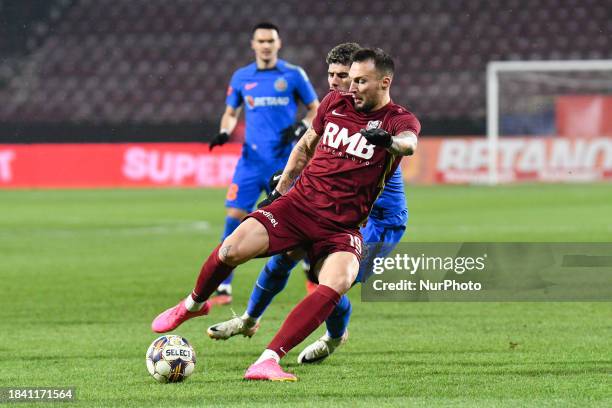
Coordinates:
269 90
384 229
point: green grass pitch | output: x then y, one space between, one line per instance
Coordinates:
84 272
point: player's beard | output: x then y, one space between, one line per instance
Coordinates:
367 106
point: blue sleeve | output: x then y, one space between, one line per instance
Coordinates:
304 87
234 94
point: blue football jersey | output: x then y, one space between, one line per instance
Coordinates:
270 98
390 208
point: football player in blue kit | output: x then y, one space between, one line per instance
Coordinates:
383 230
269 89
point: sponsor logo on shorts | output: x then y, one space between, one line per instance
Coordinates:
269 216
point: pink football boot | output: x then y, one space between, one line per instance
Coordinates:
175 316
268 370
220 300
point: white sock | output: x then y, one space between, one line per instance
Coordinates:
192 305
266 355
329 337
225 287
250 321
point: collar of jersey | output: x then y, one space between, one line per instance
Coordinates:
280 66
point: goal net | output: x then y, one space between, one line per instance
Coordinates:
549 121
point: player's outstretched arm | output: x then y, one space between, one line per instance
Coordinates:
300 156
229 120
312 112
228 123
297 130
404 144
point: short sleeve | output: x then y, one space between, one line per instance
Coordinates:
304 87
405 121
318 122
234 94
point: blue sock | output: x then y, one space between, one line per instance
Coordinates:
271 280
231 224
338 320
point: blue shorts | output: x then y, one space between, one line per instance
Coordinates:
379 240
251 177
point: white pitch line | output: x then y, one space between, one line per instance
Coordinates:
179 227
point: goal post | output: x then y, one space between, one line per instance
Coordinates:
578 77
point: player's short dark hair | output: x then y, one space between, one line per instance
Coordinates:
342 53
266 26
382 61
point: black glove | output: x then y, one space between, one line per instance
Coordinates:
294 132
218 140
378 137
275 179
268 200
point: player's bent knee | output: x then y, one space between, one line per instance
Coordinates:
230 255
339 271
340 286
341 283
247 241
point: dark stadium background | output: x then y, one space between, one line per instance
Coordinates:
157 70
92 248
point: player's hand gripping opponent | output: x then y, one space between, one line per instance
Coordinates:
273 182
378 137
274 194
294 132
269 199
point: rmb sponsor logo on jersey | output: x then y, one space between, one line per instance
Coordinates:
269 216
262 101
337 137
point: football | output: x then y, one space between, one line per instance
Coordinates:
170 359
